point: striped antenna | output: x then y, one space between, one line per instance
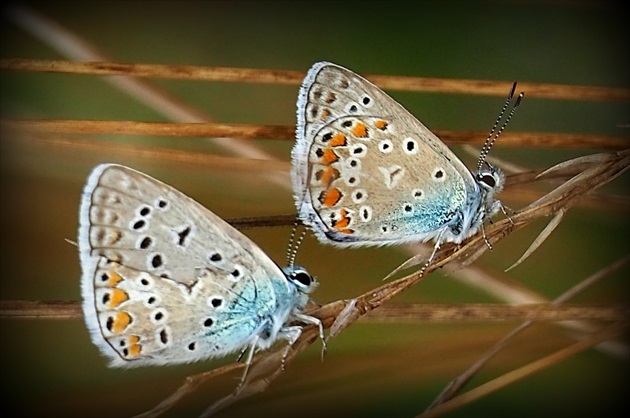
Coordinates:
490 140
294 245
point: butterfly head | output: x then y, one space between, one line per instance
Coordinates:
490 181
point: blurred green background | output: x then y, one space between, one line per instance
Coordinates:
51 368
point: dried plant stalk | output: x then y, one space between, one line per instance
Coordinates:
249 75
607 333
281 132
457 384
27 309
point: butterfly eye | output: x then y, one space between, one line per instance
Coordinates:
487 179
301 279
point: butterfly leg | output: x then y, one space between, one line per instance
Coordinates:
485 238
248 362
292 334
503 209
483 229
241 354
315 321
436 247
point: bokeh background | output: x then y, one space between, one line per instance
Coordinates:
50 367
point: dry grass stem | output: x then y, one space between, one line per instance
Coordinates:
544 234
612 331
458 383
27 309
249 75
37 309
91 147
279 132
191 383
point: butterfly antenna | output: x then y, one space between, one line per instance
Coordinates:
290 252
507 120
294 244
490 140
296 247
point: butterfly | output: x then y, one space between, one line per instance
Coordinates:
366 172
166 281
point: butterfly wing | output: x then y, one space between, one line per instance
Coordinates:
365 170
164 279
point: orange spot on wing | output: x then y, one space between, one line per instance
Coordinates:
346 231
134 350
117 297
343 222
339 140
325 114
330 197
114 279
327 175
360 130
381 124
329 156
121 321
